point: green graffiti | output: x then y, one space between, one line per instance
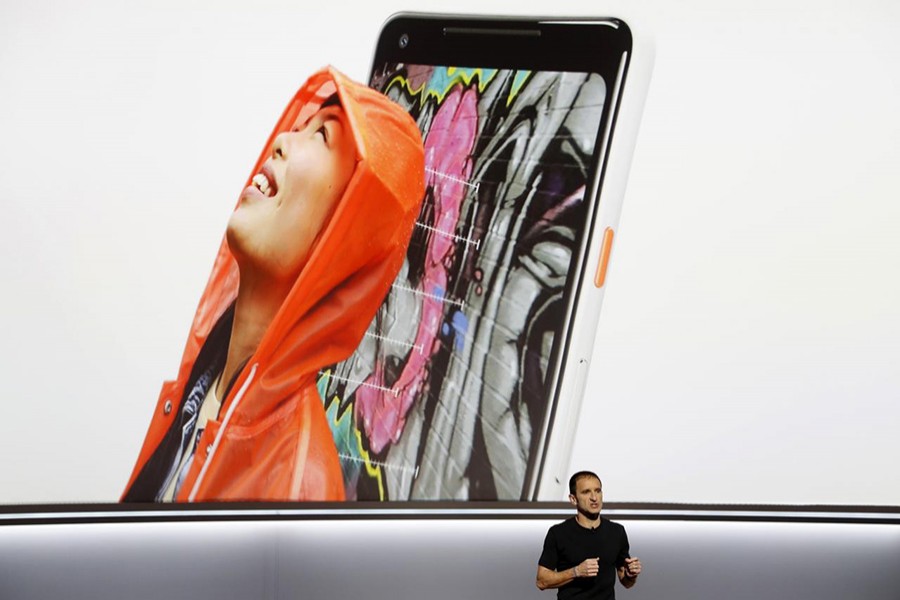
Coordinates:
348 439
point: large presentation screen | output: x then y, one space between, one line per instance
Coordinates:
747 347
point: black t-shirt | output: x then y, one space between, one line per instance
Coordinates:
567 544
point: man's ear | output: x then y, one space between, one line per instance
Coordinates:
572 500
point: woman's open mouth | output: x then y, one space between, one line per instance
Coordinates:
265 182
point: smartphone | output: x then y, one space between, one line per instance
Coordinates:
469 380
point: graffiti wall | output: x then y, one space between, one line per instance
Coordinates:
446 395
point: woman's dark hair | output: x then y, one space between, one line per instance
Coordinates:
332 100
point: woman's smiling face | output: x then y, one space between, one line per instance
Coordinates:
290 200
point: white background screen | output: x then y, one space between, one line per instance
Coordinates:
749 342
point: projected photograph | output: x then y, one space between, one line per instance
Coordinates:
384 315
317 236
445 396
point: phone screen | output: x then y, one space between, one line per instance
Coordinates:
448 393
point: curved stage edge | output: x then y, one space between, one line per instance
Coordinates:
436 551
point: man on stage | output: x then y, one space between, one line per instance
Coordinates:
583 555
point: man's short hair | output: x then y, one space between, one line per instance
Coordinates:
573 480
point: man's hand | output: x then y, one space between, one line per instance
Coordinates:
629 572
632 567
588 568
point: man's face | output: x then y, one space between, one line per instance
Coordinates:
291 198
588 498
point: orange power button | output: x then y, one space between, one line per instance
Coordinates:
605 250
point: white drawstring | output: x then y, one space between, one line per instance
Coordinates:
215 445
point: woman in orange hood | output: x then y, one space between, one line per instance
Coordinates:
312 248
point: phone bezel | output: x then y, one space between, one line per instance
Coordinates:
506 42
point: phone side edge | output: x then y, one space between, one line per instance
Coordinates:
551 476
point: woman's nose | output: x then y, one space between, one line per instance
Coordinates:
279 147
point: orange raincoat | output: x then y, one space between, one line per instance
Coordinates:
271 440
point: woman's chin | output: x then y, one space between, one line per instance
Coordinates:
236 236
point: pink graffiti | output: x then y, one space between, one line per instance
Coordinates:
448 147
549 217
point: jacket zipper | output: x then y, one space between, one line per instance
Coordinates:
215 445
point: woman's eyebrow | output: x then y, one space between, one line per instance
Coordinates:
331 116
323 117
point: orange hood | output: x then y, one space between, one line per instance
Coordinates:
347 275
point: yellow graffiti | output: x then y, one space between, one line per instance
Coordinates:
518 83
454 76
373 470
343 422
439 87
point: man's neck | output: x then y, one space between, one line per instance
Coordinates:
586 521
